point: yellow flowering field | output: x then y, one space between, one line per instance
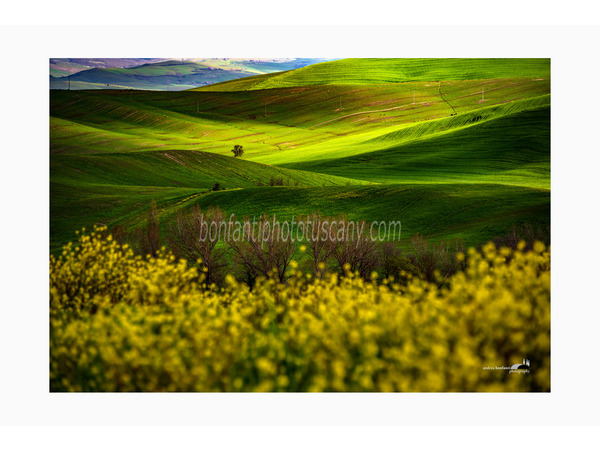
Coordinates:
120 322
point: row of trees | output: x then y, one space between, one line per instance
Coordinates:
248 256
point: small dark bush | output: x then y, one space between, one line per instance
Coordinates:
276 181
394 265
523 233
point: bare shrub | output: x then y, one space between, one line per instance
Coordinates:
144 240
446 252
523 233
423 257
320 247
354 252
429 257
276 181
152 234
263 253
190 238
119 234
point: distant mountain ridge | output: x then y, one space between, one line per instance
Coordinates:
165 74
60 67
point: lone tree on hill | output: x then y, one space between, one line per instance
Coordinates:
238 150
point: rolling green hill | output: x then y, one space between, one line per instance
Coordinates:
369 71
451 148
512 149
181 168
473 212
295 117
117 187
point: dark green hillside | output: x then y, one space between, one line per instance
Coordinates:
514 149
117 188
473 212
178 168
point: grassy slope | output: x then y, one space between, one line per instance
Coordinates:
513 149
118 187
369 71
379 138
296 117
475 212
109 151
75 206
183 168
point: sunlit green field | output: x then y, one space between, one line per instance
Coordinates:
451 148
